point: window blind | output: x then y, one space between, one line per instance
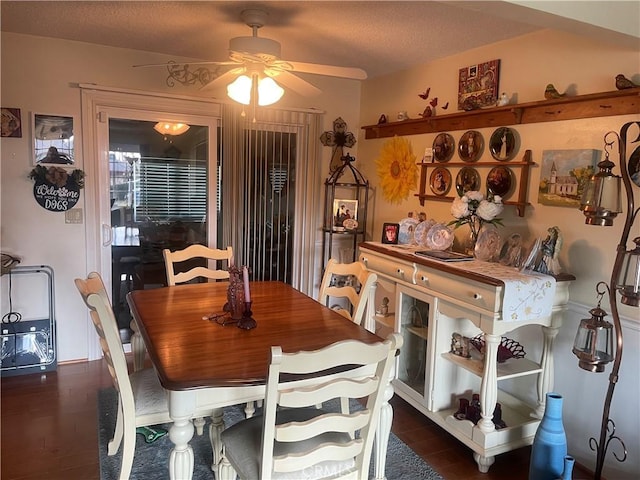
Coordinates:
172 189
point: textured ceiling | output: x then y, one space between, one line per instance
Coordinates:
377 36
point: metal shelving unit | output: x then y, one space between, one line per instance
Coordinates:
29 346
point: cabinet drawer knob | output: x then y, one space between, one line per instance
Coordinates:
477 296
400 272
424 279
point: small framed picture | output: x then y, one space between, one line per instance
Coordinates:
390 233
11 122
344 210
52 139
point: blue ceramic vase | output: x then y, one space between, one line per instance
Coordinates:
550 443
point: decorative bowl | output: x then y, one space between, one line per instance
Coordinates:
507 349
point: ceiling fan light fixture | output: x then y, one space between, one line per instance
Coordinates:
269 92
171 128
240 90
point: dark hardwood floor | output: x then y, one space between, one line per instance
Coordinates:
49 431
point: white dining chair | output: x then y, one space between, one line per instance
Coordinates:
196 252
351 282
141 399
295 440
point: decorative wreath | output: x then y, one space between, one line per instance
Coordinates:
58 176
397 169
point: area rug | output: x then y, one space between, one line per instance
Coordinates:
151 460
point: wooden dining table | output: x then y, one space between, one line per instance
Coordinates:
200 361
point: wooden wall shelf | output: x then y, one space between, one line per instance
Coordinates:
520 203
618 102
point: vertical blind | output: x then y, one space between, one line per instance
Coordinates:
271 192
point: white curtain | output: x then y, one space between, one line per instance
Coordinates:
247 157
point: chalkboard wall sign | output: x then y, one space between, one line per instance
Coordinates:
55 189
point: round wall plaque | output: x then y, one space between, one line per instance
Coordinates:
55 190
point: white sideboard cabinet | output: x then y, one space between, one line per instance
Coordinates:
427 301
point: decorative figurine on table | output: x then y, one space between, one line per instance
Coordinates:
550 251
239 298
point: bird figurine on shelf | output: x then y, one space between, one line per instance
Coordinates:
430 110
622 82
503 100
550 93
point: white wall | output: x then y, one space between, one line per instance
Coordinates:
40 75
528 64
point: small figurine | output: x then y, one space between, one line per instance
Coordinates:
382 119
550 93
460 345
427 112
384 308
551 246
622 82
503 100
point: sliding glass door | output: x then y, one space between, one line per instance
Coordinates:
159 192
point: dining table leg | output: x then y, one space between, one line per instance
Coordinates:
181 408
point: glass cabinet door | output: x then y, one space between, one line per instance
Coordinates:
414 322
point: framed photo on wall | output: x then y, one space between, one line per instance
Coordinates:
478 85
344 210
11 122
52 139
390 233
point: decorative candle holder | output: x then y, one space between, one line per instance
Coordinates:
247 322
235 305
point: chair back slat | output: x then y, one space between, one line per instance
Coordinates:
339 388
196 252
332 422
334 452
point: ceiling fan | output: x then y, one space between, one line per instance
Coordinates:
254 60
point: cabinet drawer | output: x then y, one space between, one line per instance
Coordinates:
393 268
471 292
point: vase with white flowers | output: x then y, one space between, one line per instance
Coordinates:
475 210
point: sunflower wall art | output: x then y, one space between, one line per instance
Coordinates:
397 169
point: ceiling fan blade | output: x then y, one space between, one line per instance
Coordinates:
223 79
170 64
296 84
329 70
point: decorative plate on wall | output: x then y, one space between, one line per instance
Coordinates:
500 180
467 179
440 181
504 143
443 147
471 146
